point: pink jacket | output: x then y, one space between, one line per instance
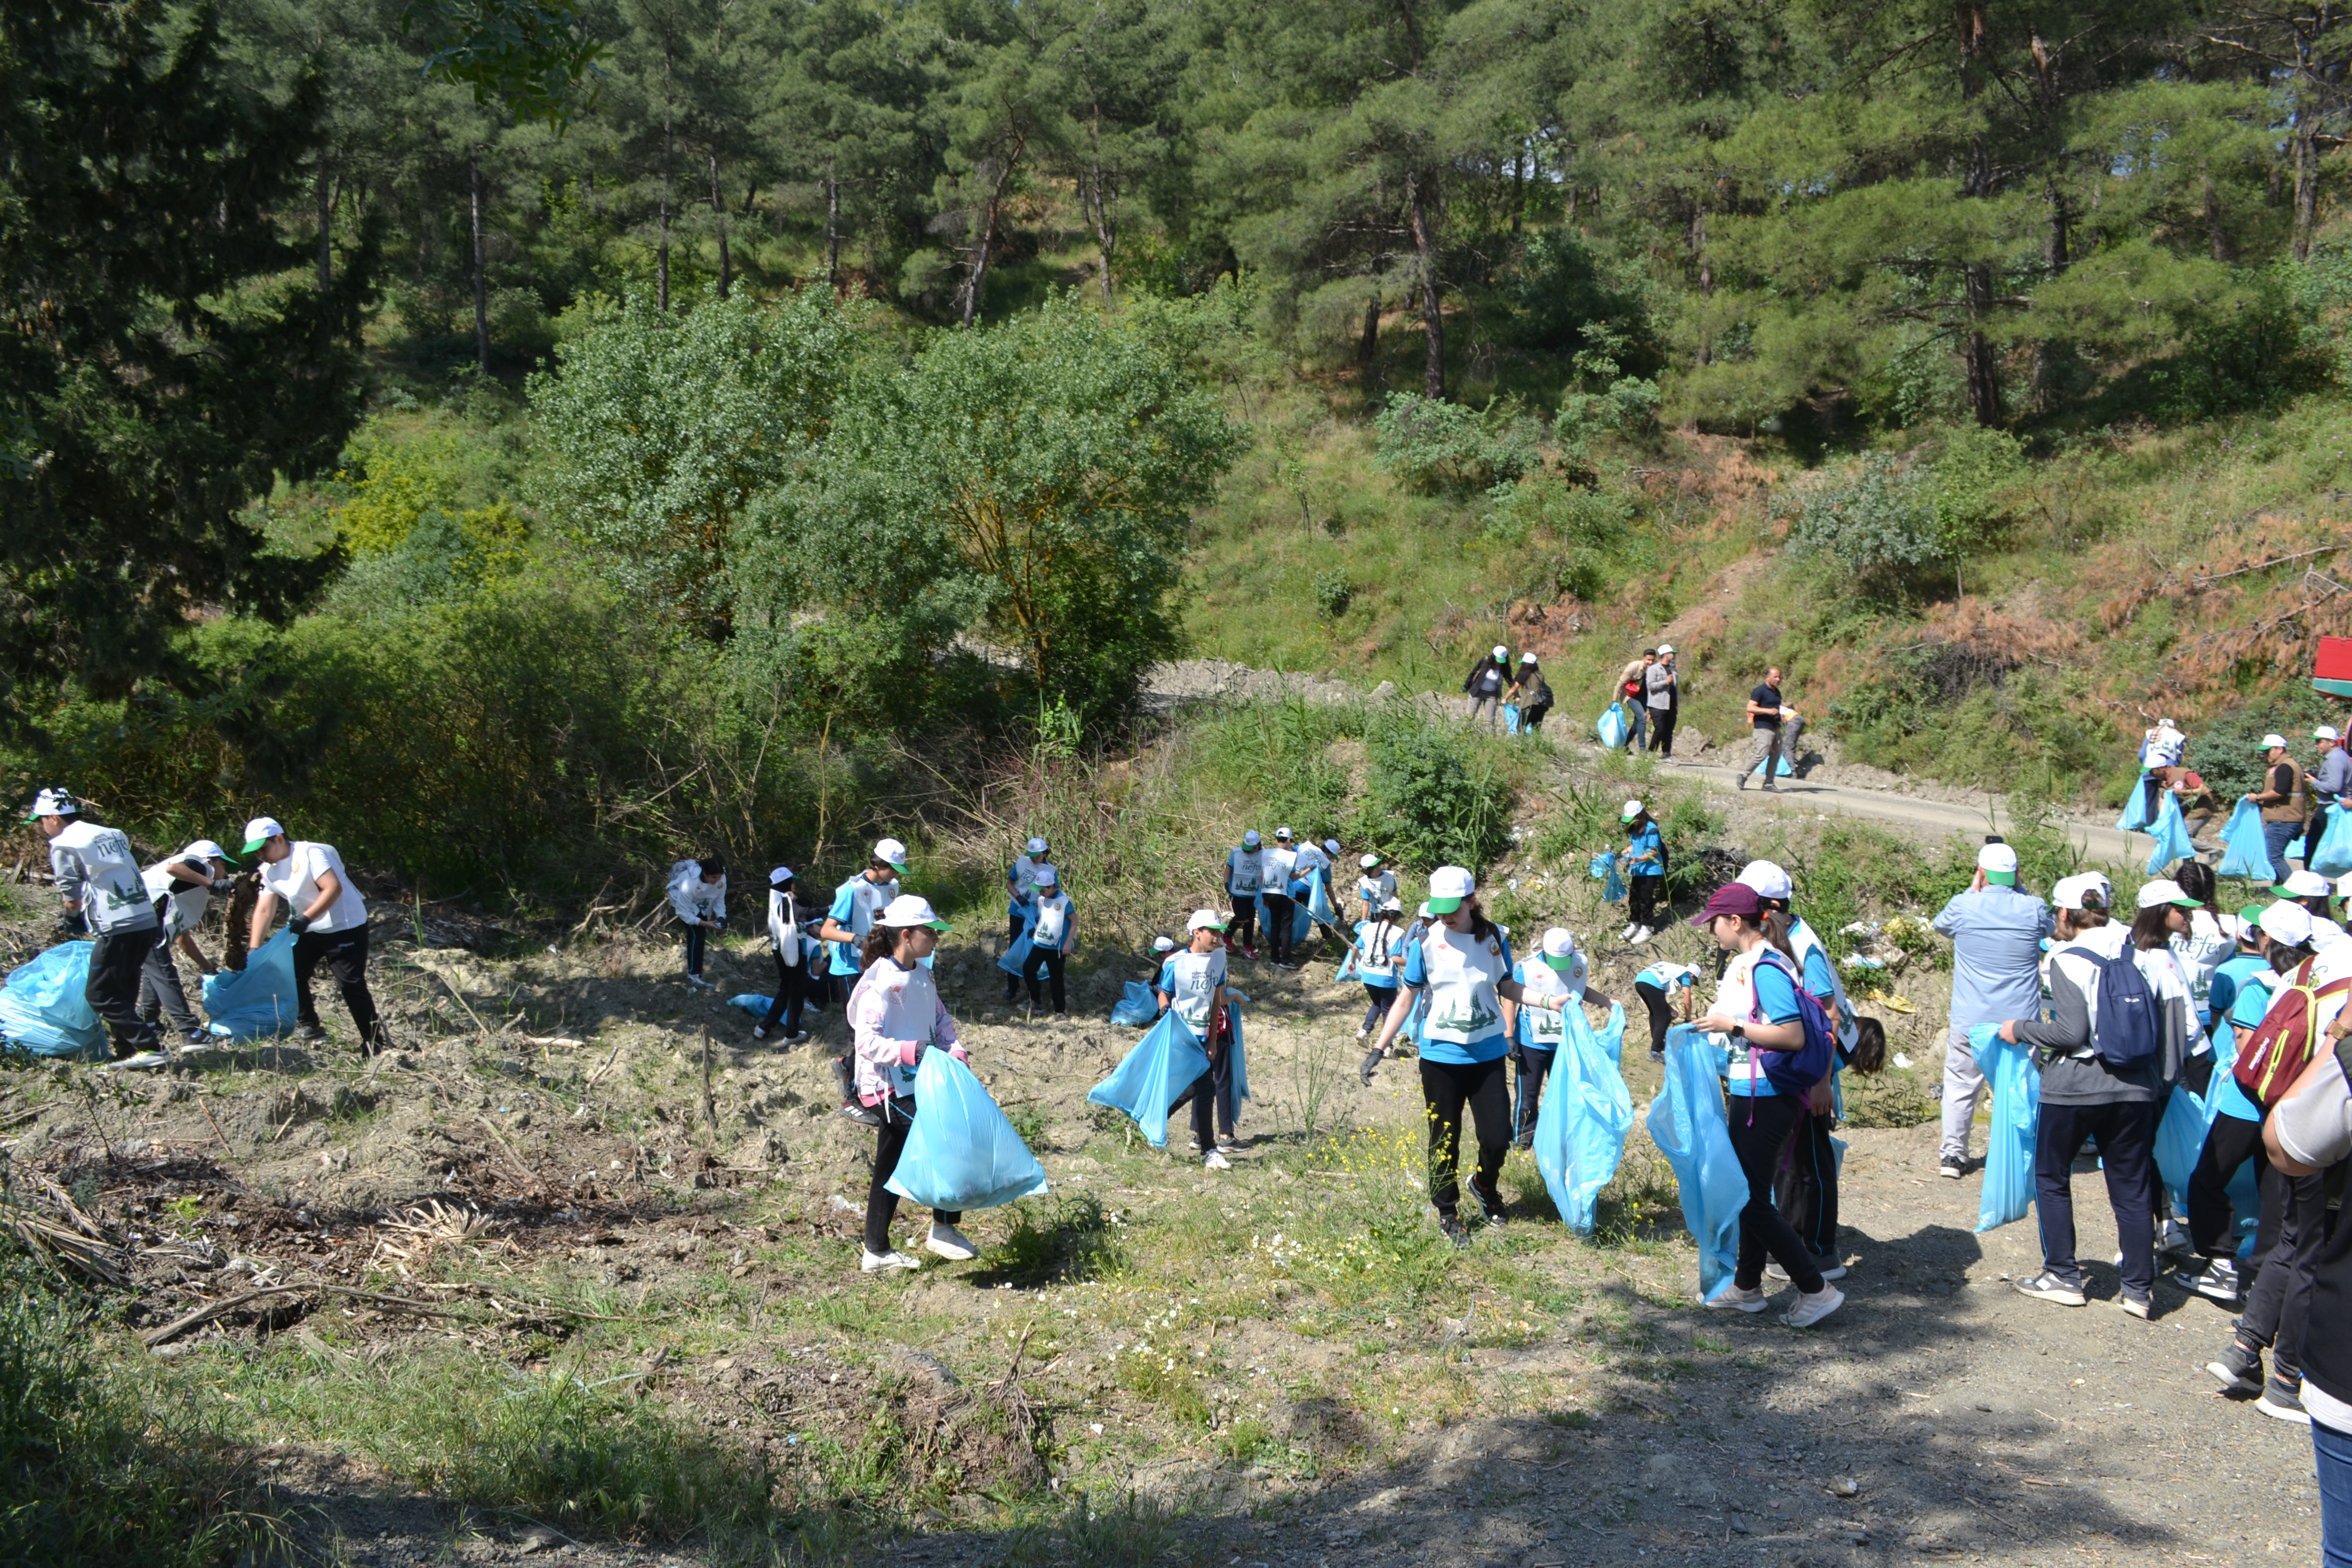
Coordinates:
894 1012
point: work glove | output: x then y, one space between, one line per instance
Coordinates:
72 924
299 924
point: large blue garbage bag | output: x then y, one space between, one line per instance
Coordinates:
2332 856
1604 872
751 1002
258 1001
1318 904
1240 1057
1687 1122
1135 1007
2179 1140
1016 956
42 1008
1510 718
1613 726
962 1153
2016 1117
2171 836
2243 854
1162 1066
1586 1113
2135 817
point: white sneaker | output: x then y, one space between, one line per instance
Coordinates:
142 1059
1212 1161
697 980
1642 934
1627 934
1743 1300
1812 1309
950 1243
883 1262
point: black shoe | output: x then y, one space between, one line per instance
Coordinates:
1454 1229
309 1033
864 1115
2238 1369
1524 1140
2217 1280
1490 1201
1371 1060
791 1036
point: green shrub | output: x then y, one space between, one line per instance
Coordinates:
1332 593
1435 799
1274 757
1444 449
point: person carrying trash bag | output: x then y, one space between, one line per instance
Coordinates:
785 919
1485 685
181 886
1281 911
1462 965
1580 1133
1245 874
1653 986
329 920
1644 863
1021 886
2284 799
1378 942
1532 693
2245 849
1558 972
895 1015
1191 990
1053 937
98 877
1780 1045
1377 885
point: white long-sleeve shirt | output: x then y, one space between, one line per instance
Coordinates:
894 1013
695 899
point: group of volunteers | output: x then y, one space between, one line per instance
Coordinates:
143 918
1494 685
2293 800
1650 690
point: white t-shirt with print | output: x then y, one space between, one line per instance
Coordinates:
184 903
94 866
295 879
1191 979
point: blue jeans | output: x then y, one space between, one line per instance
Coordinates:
2333 1450
2276 837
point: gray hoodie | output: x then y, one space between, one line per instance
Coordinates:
2072 1073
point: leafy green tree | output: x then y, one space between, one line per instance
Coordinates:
166 355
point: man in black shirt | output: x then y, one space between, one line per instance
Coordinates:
1767 715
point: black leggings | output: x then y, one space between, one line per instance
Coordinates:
1278 920
1378 1000
1645 891
791 993
1534 1066
1662 1015
1805 1190
881 1202
2229 1143
1244 922
1052 961
1447 1087
1662 731
1531 718
694 939
345 952
1760 1125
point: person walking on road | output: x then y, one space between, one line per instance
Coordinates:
1532 693
1995 929
98 877
1774 727
1662 694
1632 694
2284 799
2329 782
329 920
1484 686
181 886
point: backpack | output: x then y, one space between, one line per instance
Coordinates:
2129 1032
2284 1043
1797 1071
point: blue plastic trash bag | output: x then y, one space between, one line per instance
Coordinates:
1612 886
2332 856
2179 1140
2171 836
1162 1066
1240 1079
43 1010
2016 1116
1510 718
2135 817
258 1001
2243 854
1586 1113
751 1002
1318 898
1016 956
1613 726
1687 1122
1136 1007
1785 770
962 1153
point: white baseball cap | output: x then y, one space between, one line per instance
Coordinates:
1999 864
55 801
2275 738
1391 905
1422 912
1528 658
2071 892
779 875
2304 885
1559 947
1665 648
1250 839
260 831
1502 652
205 849
1632 809
1282 834
1369 861
2289 923
2326 732
1448 885
890 852
909 910
2344 886
1331 847
1163 943
1205 920
1035 846
1048 875
1768 881
2164 890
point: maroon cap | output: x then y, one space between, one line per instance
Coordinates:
1731 899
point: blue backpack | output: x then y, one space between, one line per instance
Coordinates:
2128 1032
1797 1071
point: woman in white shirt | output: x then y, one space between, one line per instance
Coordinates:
329 920
895 1015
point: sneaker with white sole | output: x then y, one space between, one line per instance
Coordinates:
2174 1241
1829 1267
2047 1286
2238 1369
2217 1280
1813 1306
1212 1161
141 1060
1642 934
1952 1167
2283 1401
1738 1299
1627 934
2135 1307
946 1241
883 1262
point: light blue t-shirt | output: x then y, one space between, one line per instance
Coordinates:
1377 970
1486 1047
1996 954
2250 999
1776 998
1650 842
854 904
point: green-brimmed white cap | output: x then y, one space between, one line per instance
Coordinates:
2289 923
2304 885
260 831
890 852
55 801
1560 948
1632 808
1448 885
205 849
2164 890
2274 740
909 910
1205 920
1999 864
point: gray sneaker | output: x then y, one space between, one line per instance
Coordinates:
2217 1280
2047 1286
2238 1369
2282 1400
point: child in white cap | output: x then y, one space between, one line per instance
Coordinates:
96 876
1377 884
1020 884
1246 872
1557 972
847 921
1643 862
1192 985
895 1015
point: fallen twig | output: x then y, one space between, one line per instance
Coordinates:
205 1314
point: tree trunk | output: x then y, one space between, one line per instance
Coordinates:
1368 347
481 284
2217 238
1432 312
718 210
1984 367
326 221
661 249
2306 182
977 278
832 229
2057 244
1106 236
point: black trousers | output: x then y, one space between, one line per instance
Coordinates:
881 1202
345 952
1378 1000
161 995
2278 1306
694 939
1210 1095
1761 1126
1661 1013
117 959
1446 1088
1532 719
1244 928
792 995
1534 1066
1645 897
1804 1189
2230 1143
2126 1134
1053 962
1279 916
1662 730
